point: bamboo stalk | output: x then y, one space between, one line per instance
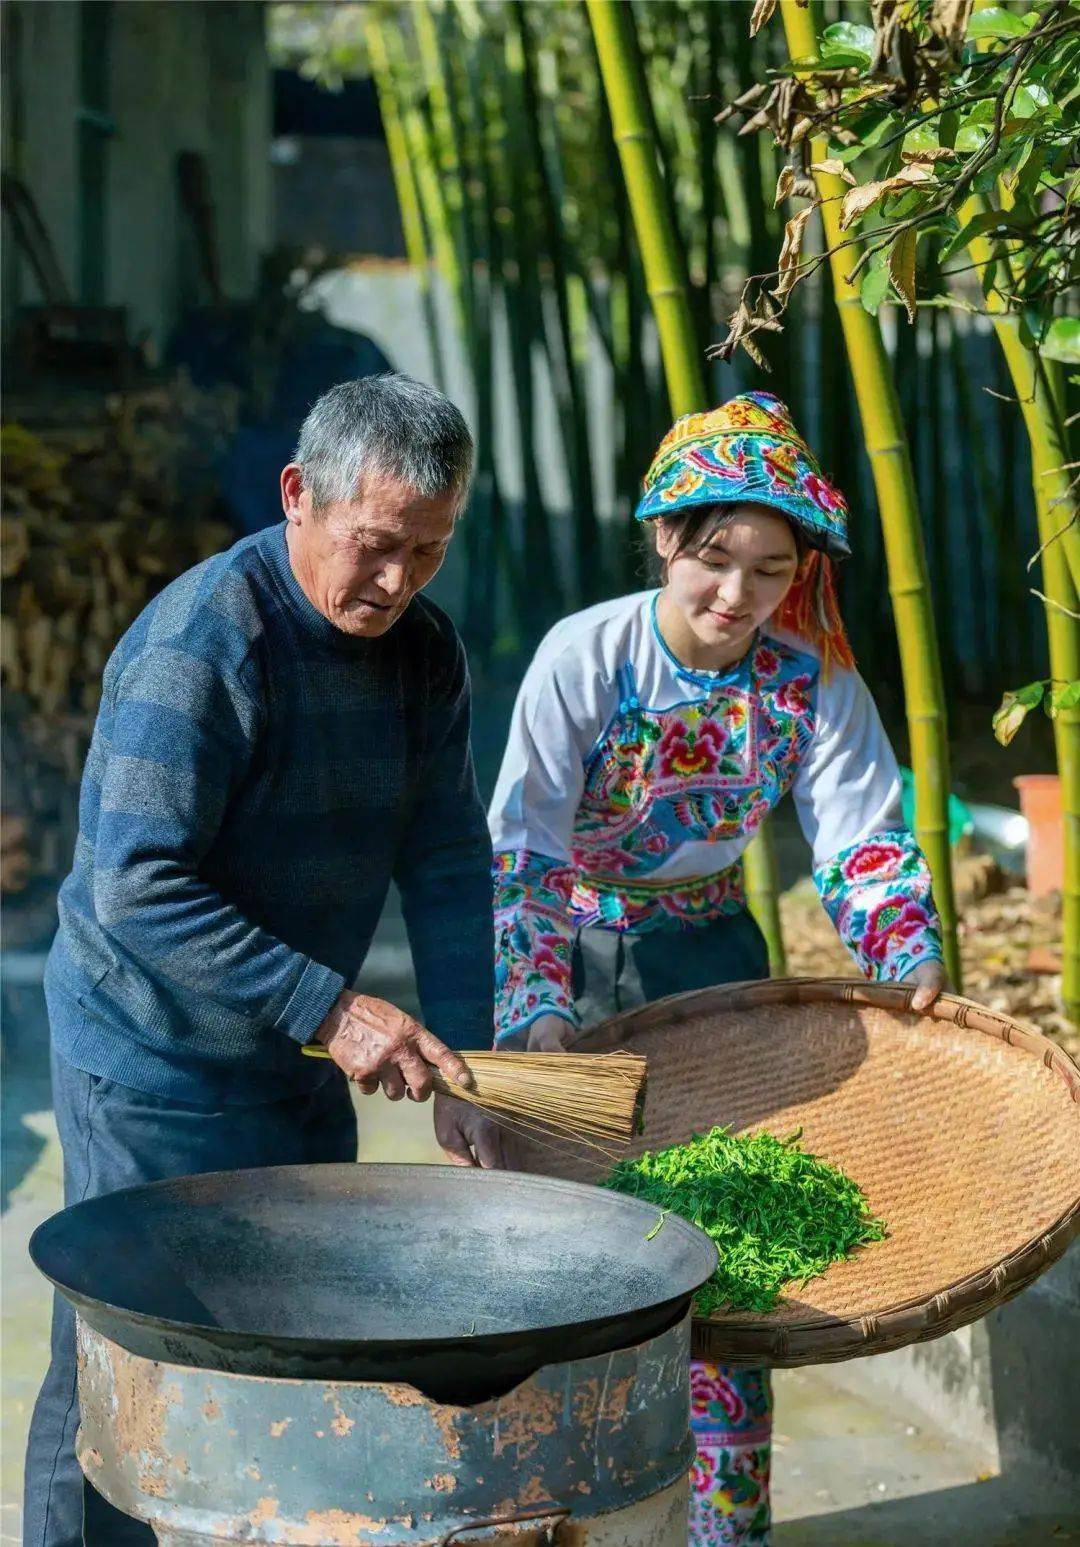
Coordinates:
668 287
1053 507
401 168
509 173
564 358
909 584
1057 511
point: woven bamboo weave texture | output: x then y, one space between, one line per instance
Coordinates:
962 1127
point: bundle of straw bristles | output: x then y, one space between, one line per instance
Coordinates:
595 1099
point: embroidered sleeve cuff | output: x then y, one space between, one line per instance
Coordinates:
310 1002
533 941
877 893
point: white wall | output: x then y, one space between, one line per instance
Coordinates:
184 75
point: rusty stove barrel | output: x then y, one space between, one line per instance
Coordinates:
590 1453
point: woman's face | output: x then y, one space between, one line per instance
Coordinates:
728 586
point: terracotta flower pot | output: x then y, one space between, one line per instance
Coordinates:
1040 802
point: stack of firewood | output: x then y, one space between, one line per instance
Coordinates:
100 511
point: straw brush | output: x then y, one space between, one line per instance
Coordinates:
590 1098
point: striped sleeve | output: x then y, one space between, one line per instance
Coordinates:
182 729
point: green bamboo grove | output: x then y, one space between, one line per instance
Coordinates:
595 241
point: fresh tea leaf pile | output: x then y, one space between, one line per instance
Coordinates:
778 1216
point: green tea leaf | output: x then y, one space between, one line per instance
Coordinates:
778 1215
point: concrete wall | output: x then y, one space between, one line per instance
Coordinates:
1008 1387
183 75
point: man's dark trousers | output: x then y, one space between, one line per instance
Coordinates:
112 1137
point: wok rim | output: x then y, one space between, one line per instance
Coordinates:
292 1344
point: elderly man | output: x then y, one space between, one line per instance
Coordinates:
283 731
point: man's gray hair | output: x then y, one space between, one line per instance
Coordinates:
387 425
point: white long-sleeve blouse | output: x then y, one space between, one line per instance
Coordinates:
631 785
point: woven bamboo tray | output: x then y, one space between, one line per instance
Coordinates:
961 1126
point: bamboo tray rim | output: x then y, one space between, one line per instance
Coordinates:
824 1338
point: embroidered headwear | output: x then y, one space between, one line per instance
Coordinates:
747 449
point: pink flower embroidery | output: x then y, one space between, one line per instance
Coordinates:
824 496
766 662
655 843
711 1389
676 755
792 696
549 953
891 924
872 861
756 815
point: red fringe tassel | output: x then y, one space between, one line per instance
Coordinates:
811 611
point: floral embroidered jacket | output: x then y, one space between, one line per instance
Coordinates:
631 785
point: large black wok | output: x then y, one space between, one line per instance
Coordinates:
462 1282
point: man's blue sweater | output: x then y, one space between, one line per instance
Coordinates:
256 779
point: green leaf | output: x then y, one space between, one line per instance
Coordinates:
1028 180
1065 697
1023 104
875 285
922 137
995 23
988 175
850 36
1062 341
821 64
984 221
971 136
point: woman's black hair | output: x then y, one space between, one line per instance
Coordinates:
695 528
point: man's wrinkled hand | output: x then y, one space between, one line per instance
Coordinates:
376 1044
469 1137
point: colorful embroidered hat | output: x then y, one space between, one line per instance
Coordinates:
747 449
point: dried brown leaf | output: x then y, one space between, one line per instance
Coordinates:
858 200
755 354
784 184
835 168
902 268
949 20
760 120
788 264
938 153
763 9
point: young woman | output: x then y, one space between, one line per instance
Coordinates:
651 737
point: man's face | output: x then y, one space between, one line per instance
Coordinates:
361 562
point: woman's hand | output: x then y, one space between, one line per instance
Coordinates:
546 1034
929 980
